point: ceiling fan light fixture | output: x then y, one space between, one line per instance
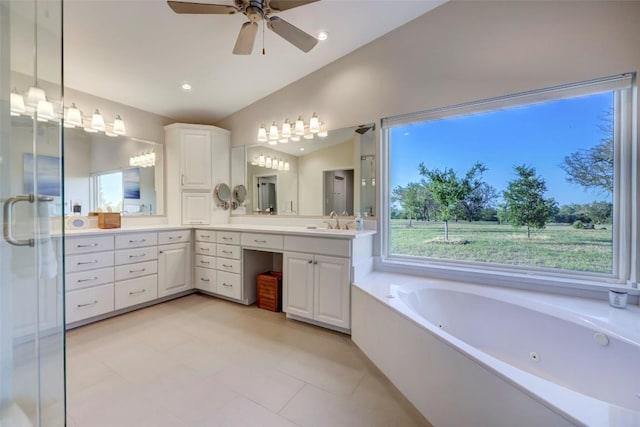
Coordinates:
262 134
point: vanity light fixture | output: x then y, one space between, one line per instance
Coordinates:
262 134
44 111
323 131
261 161
118 126
34 96
274 165
290 132
73 117
280 164
286 166
269 163
364 182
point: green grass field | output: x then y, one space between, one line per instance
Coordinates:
556 246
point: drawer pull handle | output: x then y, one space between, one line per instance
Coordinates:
138 241
260 241
138 271
204 262
92 245
315 262
137 256
227 252
227 266
228 286
205 280
87 280
227 238
175 237
204 249
88 304
205 236
310 261
95 261
141 291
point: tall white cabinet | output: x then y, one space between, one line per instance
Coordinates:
198 159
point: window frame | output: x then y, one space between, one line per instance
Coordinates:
626 206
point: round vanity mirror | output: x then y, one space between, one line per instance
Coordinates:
240 193
223 193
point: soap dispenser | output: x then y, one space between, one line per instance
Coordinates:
359 222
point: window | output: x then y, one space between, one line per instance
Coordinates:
537 183
107 192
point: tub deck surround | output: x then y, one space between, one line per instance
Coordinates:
544 358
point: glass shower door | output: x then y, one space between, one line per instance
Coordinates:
31 269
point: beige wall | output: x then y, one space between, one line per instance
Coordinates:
460 52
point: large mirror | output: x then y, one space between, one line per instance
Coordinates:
311 177
112 174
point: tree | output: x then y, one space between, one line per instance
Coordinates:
415 199
524 201
593 168
599 212
449 190
479 199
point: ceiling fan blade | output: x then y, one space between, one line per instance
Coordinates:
292 34
201 8
246 39
280 5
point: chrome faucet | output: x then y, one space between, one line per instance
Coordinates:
333 214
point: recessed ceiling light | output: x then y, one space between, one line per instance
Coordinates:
186 87
302 149
323 35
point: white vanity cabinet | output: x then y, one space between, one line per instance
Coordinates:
205 260
136 271
174 262
197 159
317 287
89 277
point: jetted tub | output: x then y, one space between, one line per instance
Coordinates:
474 355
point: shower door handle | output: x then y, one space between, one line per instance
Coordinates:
7 232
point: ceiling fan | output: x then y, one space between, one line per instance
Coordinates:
256 11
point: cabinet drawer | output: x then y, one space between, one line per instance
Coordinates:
128 256
130 271
178 236
269 241
136 240
228 284
85 303
136 291
204 248
81 245
84 279
227 264
228 251
205 279
75 263
205 261
318 245
206 236
228 238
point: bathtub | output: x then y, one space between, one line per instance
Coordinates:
469 355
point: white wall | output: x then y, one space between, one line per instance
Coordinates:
462 51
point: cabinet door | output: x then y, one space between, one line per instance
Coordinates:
196 159
332 291
297 287
196 208
174 269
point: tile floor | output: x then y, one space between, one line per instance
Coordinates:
201 361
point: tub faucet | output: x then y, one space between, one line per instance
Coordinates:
333 214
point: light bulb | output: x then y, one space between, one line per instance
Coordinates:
261 161
281 165
273 132
262 134
45 111
118 126
299 129
269 163
34 96
74 117
286 129
97 122
17 103
314 124
323 131
274 165
286 166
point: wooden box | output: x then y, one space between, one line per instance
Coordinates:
269 290
109 219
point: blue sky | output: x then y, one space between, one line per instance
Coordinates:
539 135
